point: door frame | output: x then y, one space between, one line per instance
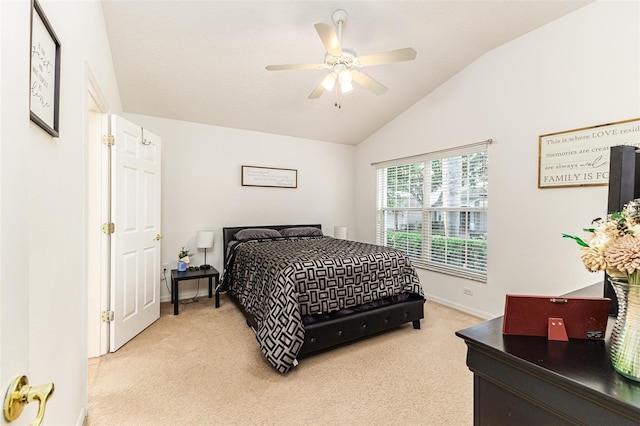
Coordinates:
98 212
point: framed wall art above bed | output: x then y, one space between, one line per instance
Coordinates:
269 177
303 292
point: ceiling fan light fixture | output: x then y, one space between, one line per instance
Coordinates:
342 64
345 79
346 87
329 81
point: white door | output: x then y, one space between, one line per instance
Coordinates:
135 204
15 283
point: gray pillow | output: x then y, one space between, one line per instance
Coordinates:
302 231
256 234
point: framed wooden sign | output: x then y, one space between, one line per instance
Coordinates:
269 176
580 157
44 89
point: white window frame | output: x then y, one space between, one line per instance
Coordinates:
472 260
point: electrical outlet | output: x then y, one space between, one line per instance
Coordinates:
467 291
165 267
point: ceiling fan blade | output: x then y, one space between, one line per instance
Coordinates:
368 83
294 67
406 54
329 39
317 91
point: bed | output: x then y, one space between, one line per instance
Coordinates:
304 292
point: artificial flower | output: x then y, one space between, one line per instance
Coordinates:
613 244
183 255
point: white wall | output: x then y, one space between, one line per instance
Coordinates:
44 189
201 185
581 70
14 133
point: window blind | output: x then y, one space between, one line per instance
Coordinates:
435 210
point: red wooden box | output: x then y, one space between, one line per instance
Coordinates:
584 317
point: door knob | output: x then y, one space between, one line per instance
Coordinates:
20 394
158 237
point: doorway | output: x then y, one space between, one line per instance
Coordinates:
98 209
123 266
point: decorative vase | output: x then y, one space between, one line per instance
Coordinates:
182 266
625 337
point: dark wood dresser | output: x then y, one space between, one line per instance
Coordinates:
522 380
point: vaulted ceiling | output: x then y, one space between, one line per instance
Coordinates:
204 61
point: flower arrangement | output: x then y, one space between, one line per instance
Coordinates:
614 244
183 255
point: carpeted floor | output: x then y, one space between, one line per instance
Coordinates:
204 367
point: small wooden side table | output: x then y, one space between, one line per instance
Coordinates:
192 274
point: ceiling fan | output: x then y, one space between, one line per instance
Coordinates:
343 63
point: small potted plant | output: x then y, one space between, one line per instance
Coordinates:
183 259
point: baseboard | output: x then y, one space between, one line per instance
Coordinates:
459 307
82 418
184 295
188 288
187 294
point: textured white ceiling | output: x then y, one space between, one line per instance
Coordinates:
203 61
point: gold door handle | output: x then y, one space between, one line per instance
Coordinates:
20 394
158 237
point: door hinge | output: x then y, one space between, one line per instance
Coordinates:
108 140
107 316
108 228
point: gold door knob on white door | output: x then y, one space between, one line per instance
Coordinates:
20 394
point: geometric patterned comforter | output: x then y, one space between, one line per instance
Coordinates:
279 281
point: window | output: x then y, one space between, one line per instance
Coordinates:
434 208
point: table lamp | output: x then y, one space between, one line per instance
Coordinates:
340 232
205 240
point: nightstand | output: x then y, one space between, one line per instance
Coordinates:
192 274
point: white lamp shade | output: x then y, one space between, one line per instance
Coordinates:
204 239
340 232
329 81
345 81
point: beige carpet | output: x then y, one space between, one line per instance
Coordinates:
204 367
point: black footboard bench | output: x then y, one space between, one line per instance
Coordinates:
341 329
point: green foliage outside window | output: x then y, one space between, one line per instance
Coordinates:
407 242
470 254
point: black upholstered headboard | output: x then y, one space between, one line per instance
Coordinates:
228 233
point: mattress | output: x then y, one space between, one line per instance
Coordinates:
280 281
